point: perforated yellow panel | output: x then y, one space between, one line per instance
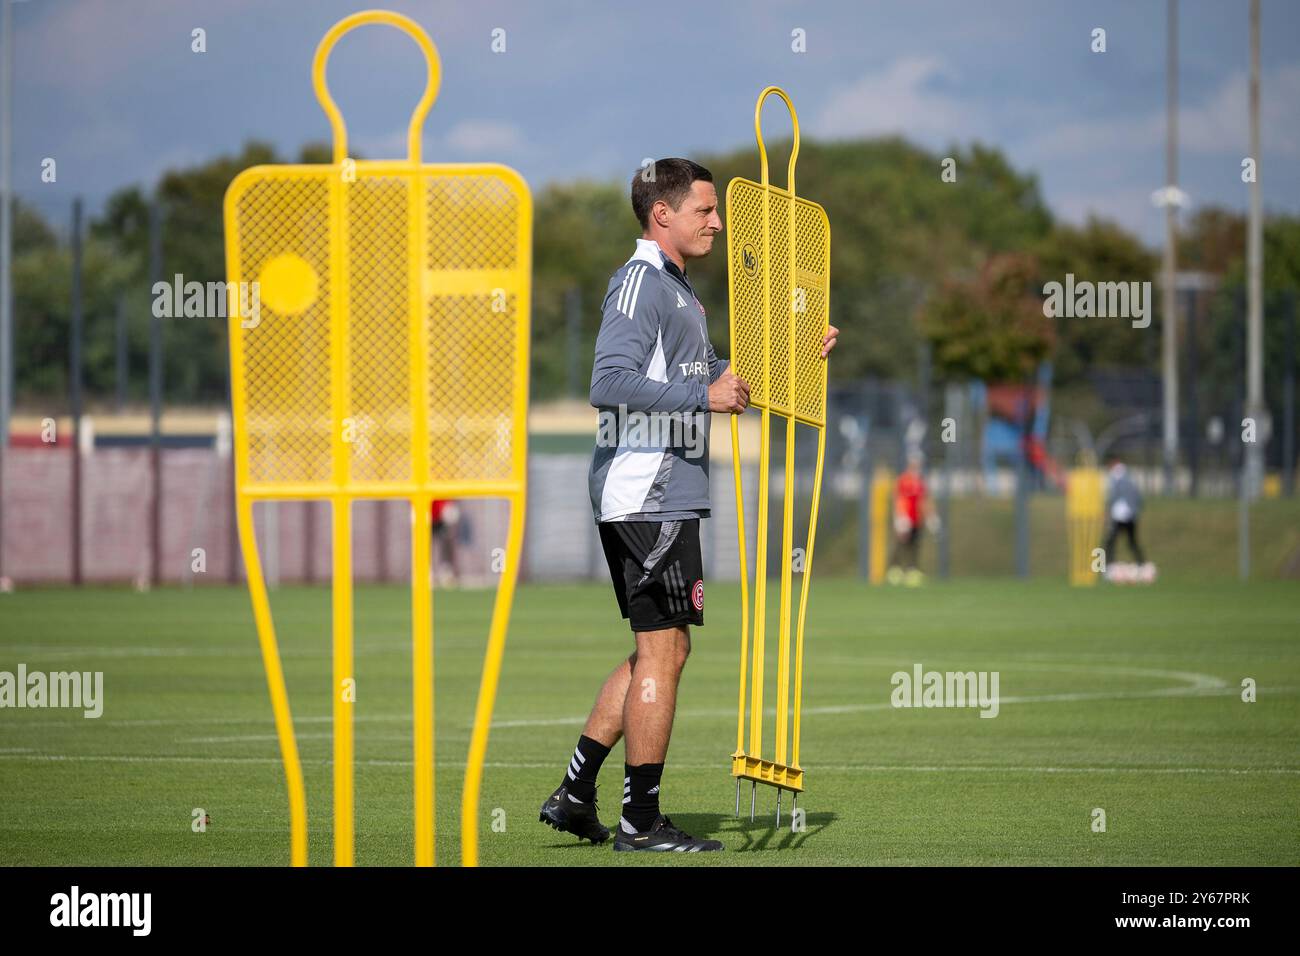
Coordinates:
797 266
474 222
469 297
378 396
284 362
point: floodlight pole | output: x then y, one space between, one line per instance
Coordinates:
6 246
1252 468
1255 407
1169 308
74 391
6 224
155 398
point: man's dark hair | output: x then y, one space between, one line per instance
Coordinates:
671 182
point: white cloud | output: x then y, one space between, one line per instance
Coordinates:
481 140
1130 206
1096 137
901 99
1216 125
391 145
1221 123
84 46
484 137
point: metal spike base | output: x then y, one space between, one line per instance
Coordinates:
743 766
756 771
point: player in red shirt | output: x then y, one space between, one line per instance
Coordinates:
443 517
910 507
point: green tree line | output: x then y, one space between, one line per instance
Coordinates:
916 260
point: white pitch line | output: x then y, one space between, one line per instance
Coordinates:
253 655
209 721
233 652
1200 690
1195 691
1193 678
907 768
367 738
828 768
1198 685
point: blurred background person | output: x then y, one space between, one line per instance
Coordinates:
909 512
444 516
1123 505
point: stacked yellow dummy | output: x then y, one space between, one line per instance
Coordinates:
778 261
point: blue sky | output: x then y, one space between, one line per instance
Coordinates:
112 91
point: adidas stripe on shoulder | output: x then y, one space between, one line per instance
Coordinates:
629 292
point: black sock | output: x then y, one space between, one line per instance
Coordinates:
641 795
585 763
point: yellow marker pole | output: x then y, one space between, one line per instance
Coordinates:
792 378
518 499
344 683
488 688
263 622
764 470
1084 506
341 589
803 592
739 753
422 679
882 490
274 681
744 583
422 656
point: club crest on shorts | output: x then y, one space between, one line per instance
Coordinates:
697 595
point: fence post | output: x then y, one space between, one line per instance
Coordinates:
381 540
155 398
864 508
74 389
1243 519
1022 495
1192 310
119 400
1288 400
572 326
951 395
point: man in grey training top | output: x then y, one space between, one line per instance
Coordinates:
655 381
1123 506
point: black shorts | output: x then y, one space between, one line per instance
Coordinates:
657 571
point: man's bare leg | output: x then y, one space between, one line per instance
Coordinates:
639 698
651 697
572 807
667 650
605 723
648 712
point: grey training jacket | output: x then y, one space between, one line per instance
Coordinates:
650 381
1122 496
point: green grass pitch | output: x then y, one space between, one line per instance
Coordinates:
1127 700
